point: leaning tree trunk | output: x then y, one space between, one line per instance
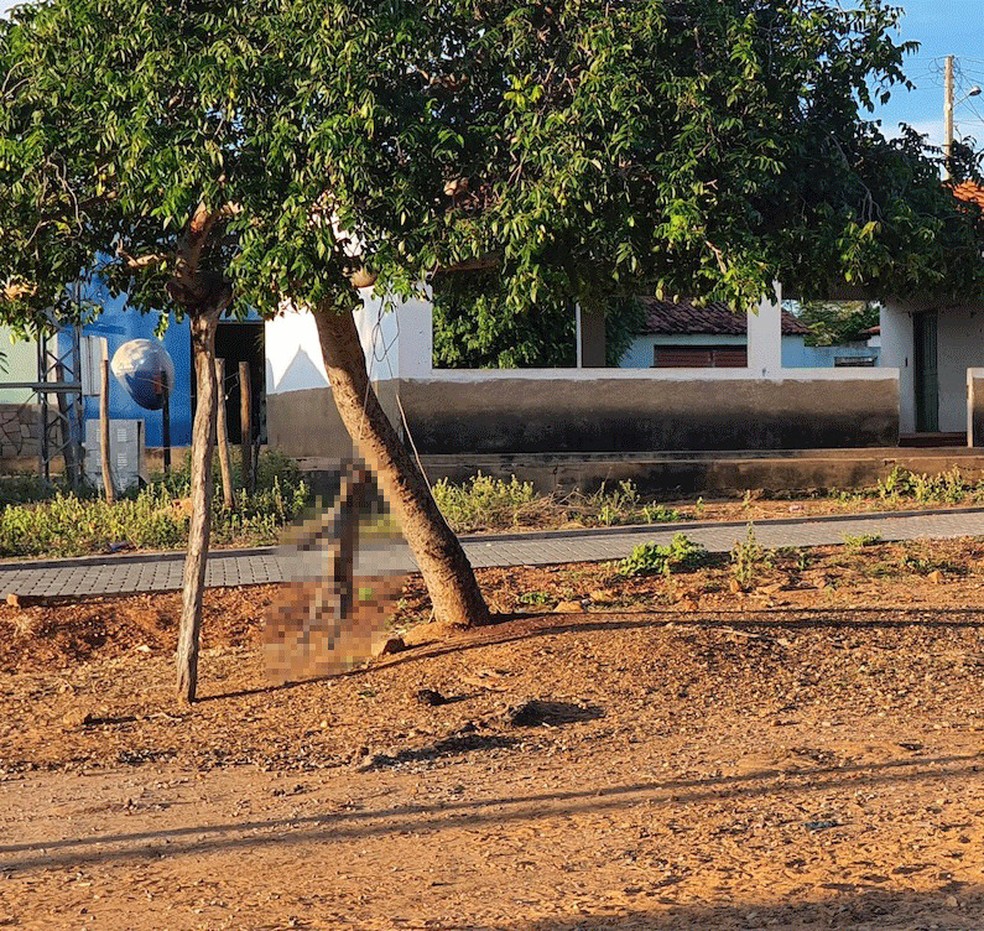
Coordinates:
203 326
447 573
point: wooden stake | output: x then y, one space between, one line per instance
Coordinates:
222 436
203 327
246 423
166 424
107 475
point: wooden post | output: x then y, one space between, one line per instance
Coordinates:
203 325
166 423
222 436
246 423
107 475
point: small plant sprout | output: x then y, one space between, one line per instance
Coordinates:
748 558
856 543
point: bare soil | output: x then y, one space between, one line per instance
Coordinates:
614 754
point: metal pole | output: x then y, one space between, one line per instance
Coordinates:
578 336
947 116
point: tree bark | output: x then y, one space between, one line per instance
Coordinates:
203 326
222 436
447 573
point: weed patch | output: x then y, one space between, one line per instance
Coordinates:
679 554
154 517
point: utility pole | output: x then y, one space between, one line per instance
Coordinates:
947 116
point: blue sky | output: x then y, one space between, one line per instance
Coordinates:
941 27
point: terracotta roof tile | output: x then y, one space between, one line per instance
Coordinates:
717 319
969 192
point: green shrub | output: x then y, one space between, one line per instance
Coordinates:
945 488
537 599
652 558
660 514
484 502
26 488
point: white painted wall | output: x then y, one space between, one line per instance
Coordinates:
293 353
396 338
961 347
21 362
403 341
896 353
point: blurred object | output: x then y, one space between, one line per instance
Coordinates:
334 615
145 369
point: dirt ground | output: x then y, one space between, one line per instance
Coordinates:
614 754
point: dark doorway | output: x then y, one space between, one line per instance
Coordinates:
926 371
237 342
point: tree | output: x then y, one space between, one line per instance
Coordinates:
474 328
586 150
833 323
170 148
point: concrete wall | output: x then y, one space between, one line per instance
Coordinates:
605 414
577 410
797 355
961 347
302 419
896 352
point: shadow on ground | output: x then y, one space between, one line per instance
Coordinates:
952 907
327 826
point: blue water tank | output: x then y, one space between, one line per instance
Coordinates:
144 368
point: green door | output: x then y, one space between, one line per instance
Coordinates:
924 329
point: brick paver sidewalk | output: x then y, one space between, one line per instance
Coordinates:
99 575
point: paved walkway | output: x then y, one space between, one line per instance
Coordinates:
99 575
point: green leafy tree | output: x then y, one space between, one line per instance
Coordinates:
475 328
833 323
208 157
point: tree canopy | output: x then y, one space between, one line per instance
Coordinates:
588 149
833 323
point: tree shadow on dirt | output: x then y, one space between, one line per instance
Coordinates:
327 826
752 620
951 907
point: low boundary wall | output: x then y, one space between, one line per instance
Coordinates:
606 414
477 412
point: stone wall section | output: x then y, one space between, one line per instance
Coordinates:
20 431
